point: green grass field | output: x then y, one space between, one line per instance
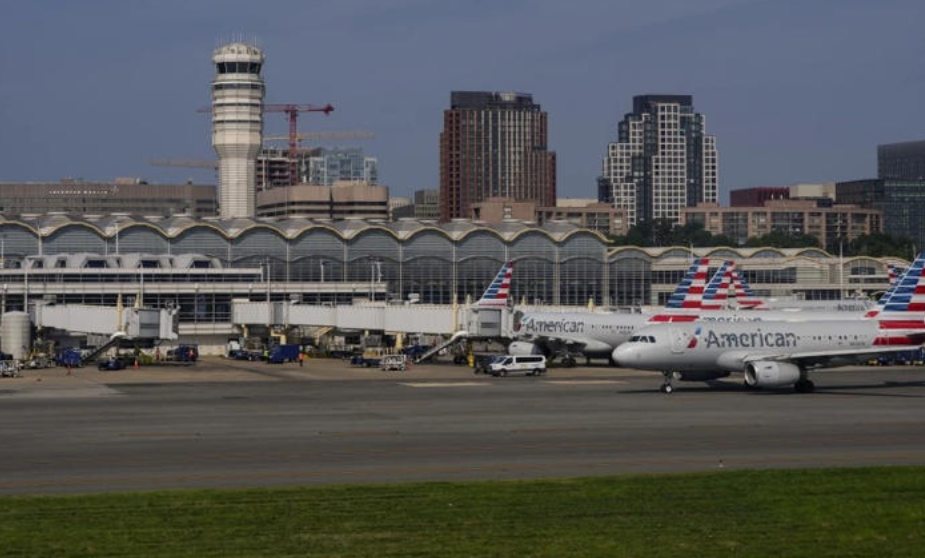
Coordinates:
869 512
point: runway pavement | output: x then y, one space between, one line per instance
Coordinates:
252 424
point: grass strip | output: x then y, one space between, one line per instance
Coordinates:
819 512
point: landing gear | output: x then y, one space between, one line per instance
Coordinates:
804 386
666 384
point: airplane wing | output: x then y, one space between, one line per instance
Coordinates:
820 359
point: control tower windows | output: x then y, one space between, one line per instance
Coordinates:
238 67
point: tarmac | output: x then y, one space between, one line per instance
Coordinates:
223 424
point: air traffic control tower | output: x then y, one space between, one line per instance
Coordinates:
237 125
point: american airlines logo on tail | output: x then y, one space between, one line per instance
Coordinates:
717 291
744 295
497 293
689 293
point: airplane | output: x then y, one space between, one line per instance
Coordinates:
596 335
779 353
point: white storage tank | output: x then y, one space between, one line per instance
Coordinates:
16 334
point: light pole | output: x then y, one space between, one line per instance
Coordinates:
323 264
2 251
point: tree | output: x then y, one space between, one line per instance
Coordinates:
661 232
878 245
780 239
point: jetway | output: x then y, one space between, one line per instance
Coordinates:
392 318
135 323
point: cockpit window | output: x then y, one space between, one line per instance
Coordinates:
642 339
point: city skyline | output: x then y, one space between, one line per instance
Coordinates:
792 92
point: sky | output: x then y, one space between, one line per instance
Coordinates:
793 90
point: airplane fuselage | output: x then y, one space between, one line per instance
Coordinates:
598 334
704 347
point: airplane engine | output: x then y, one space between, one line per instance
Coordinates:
770 374
523 348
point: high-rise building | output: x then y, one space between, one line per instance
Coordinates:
494 145
901 160
237 125
273 166
902 202
662 161
331 165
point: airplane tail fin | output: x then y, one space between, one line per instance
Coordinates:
896 274
496 296
716 294
689 293
744 295
908 292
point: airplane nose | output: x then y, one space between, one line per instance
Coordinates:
621 355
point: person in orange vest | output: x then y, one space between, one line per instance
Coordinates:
301 359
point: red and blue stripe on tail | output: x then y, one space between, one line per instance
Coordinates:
500 289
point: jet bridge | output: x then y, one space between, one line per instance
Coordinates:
133 323
445 319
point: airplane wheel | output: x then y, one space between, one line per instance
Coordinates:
666 388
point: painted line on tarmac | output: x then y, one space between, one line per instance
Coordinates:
443 384
584 382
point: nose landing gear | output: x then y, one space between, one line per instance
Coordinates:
666 386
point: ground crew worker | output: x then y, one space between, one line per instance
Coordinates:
301 359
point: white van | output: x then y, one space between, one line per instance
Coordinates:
532 365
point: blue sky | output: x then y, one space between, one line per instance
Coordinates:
794 90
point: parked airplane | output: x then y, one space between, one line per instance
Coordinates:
596 335
778 353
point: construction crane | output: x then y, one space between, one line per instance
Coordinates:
327 135
292 113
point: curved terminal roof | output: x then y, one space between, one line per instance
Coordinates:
171 227
109 226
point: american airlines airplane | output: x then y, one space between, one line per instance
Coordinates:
596 335
779 353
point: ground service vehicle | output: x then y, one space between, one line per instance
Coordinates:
394 362
69 357
184 353
282 353
532 365
113 363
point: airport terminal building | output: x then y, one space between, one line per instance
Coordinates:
200 264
